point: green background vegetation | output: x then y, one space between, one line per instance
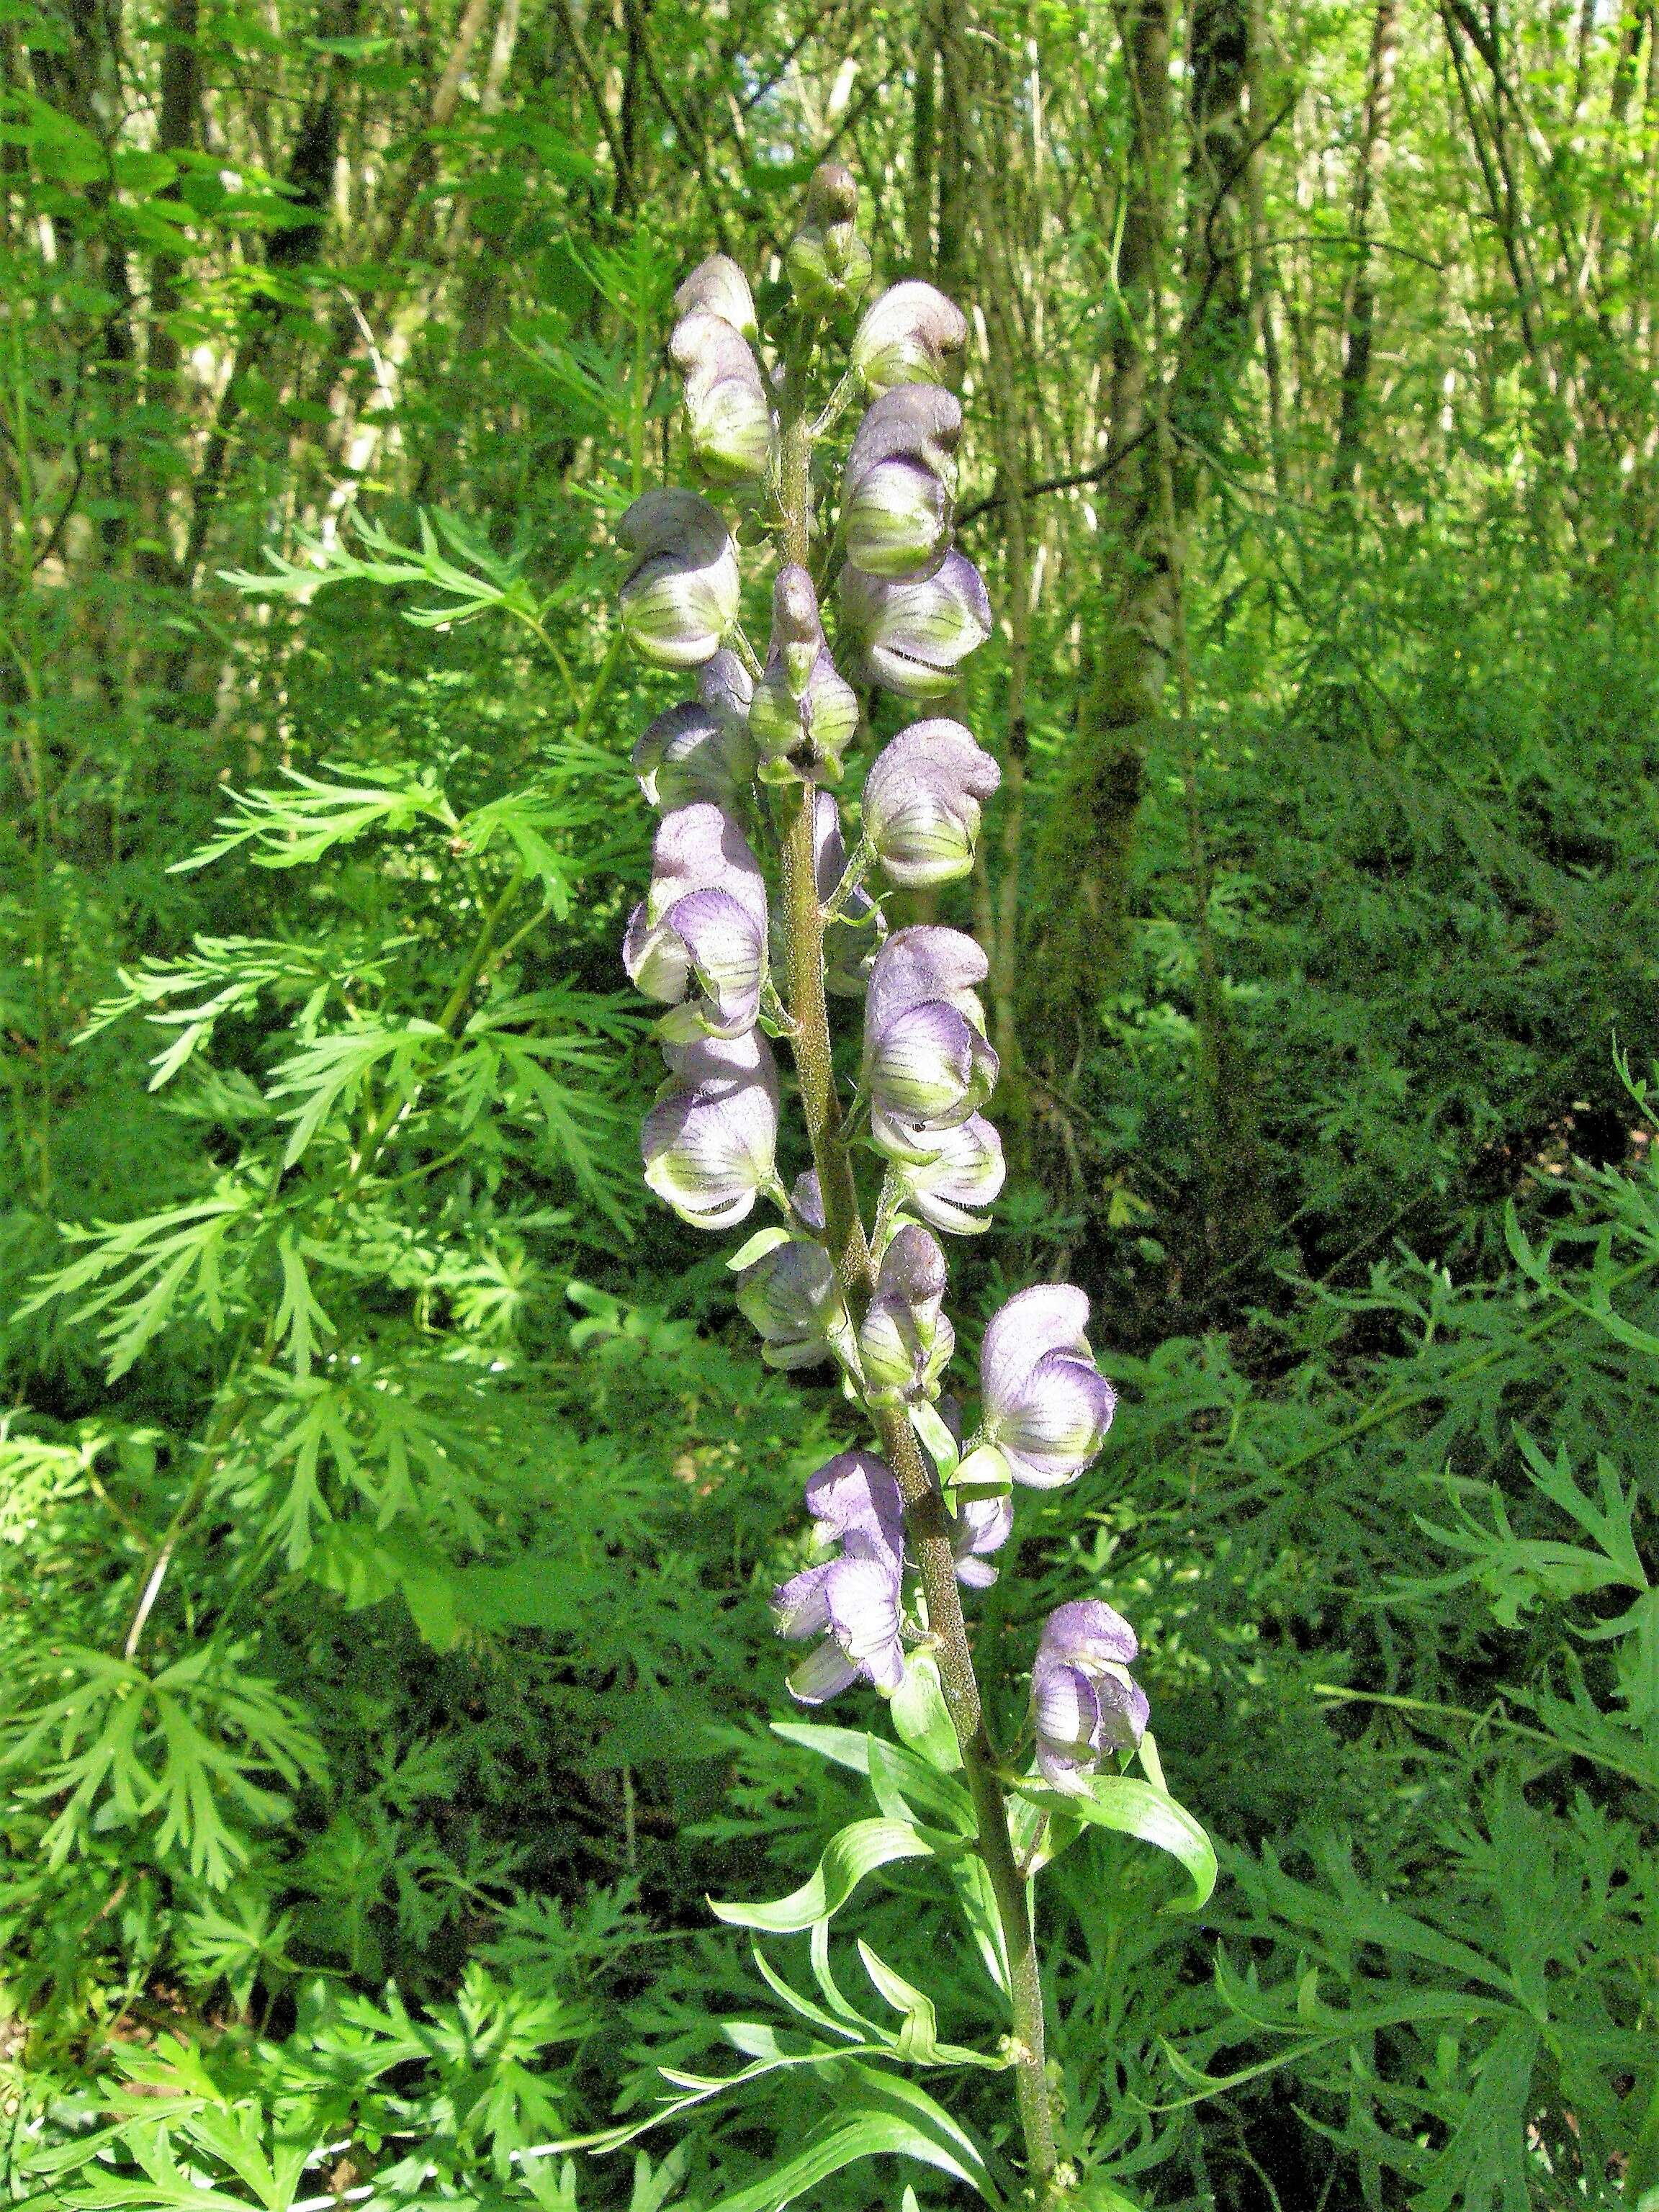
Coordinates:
388 1493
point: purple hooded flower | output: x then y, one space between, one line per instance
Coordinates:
726 406
906 1340
691 753
944 1172
925 1055
911 335
981 1525
790 1296
1047 1406
703 921
718 287
921 803
855 1501
853 1601
1084 1702
912 633
899 487
709 1144
680 597
853 1604
802 712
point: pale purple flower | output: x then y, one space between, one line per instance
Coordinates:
727 407
906 1338
921 810
680 597
1084 1702
691 752
802 712
718 287
854 1603
925 1055
726 687
855 1501
710 1142
946 1172
1047 1406
790 1296
912 633
899 486
981 1525
911 335
702 921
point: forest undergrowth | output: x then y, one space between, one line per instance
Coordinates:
389 1497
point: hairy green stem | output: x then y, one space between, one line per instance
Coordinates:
926 1517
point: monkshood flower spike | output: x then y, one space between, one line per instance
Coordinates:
756 919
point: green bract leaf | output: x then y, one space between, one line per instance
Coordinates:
1135 1808
921 1716
857 1850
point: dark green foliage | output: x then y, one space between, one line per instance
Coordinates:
327 1288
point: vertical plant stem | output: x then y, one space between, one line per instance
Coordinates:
926 1519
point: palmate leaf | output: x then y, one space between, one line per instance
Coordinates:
328 1074
295 829
181 1754
144 1268
856 1851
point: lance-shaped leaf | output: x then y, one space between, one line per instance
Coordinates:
855 1851
1133 1807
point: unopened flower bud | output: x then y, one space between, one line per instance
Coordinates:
1047 1406
718 287
680 597
803 713
899 487
913 634
828 262
911 335
921 803
710 1145
906 1340
727 407
790 1297
1085 1702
